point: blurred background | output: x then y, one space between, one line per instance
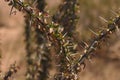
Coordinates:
106 63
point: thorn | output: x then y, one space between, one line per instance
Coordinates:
67 58
114 13
64 34
85 45
103 19
102 28
21 0
58 65
117 28
11 10
93 32
117 32
34 3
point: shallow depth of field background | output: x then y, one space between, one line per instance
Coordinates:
106 64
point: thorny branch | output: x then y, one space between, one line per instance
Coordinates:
38 67
13 69
54 33
96 41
